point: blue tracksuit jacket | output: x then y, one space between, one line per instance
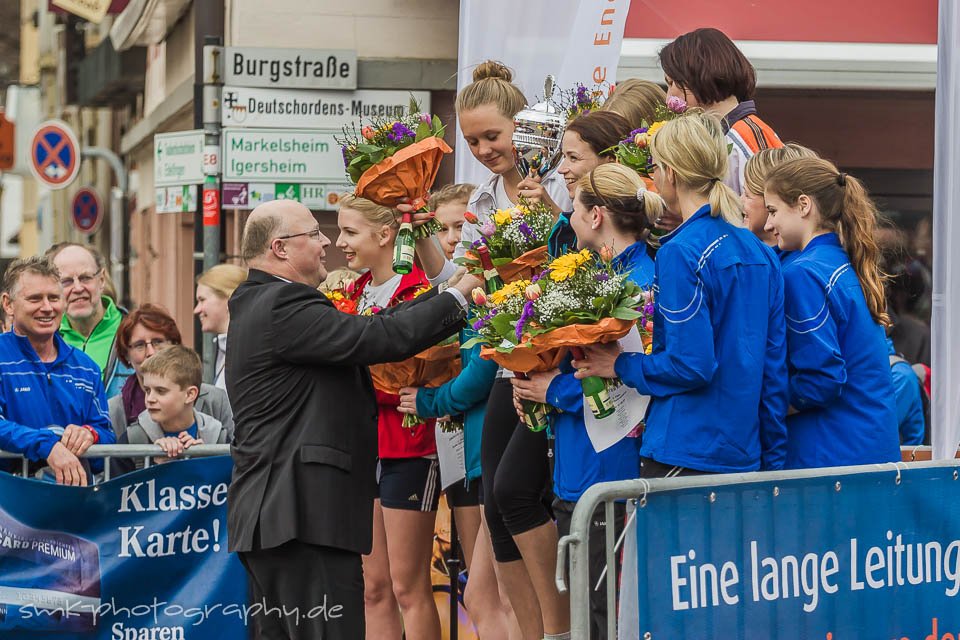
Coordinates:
839 365
35 395
577 465
717 371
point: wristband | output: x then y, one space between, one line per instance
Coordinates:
93 432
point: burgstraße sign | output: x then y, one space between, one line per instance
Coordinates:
290 68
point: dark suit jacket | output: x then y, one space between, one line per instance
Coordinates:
305 440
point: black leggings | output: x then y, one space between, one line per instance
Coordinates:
516 474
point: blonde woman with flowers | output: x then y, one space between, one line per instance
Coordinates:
612 213
717 372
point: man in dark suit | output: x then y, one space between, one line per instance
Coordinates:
300 506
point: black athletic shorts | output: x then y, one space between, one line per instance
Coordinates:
412 484
458 495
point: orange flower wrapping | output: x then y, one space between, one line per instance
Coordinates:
525 266
547 350
409 173
429 368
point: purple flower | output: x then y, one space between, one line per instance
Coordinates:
425 118
676 104
478 325
603 276
399 131
524 317
648 309
540 276
527 231
477 244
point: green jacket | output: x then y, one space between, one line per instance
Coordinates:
101 345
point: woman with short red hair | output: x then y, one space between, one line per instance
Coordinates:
144 331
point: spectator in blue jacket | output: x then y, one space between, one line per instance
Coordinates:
909 396
612 210
717 371
52 401
840 383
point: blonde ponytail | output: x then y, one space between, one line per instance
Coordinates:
492 85
694 146
845 207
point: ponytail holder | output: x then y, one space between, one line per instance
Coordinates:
714 180
842 179
640 191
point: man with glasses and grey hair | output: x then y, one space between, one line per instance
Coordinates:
300 506
52 404
91 318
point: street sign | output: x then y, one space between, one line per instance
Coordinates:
176 199
298 109
243 195
86 210
7 145
54 154
282 155
290 68
178 158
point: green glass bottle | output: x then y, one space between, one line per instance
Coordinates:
490 274
534 413
594 390
404 246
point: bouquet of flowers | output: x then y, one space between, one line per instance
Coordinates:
394 161
581 101
516 239
429 368
634 150
579 299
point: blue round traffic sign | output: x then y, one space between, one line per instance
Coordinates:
54 154
86 211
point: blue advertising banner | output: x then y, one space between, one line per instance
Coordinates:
874 555
142 556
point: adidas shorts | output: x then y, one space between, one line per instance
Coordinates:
412 484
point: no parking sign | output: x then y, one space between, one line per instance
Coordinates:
55 154
86 210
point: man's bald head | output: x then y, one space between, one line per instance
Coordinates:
265 223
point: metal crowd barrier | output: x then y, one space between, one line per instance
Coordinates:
573 559
146 451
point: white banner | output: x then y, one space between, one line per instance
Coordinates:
945 346
575 40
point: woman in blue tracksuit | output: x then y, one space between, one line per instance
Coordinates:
611 209
841 391
717 371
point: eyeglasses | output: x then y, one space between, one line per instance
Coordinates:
156 343
84 279
313 232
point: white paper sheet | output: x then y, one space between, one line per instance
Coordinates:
630 407
450 451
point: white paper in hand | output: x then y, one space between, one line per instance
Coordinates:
630 407
450 452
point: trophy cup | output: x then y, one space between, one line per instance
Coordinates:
537 133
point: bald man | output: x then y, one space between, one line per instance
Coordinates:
300 508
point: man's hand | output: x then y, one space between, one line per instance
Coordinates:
535 387
598 361
77 439
408 400
66 466
467 284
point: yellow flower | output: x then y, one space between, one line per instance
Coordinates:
502 216
654 128
515 288
565 266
